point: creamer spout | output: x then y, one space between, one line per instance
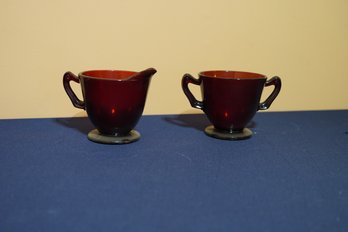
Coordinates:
147 73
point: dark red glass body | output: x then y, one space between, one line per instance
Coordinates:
114 100
230 99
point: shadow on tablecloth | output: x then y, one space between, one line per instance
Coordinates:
81 124
196 121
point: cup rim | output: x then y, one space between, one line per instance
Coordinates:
232 75
124 77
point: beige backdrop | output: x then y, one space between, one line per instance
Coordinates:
305 42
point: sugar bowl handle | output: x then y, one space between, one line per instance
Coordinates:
188 79
69 76
277 86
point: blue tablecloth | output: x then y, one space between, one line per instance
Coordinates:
292 175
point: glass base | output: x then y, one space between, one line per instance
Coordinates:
96 136
234 135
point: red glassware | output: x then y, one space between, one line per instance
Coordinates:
230 100
114 101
